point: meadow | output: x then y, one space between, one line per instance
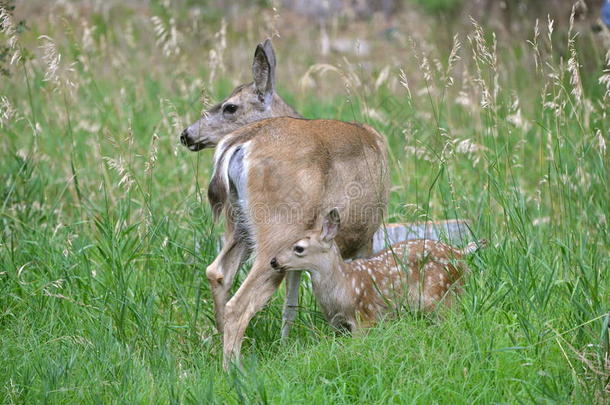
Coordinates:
105 230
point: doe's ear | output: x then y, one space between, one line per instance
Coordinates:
270 52
330 225
263 71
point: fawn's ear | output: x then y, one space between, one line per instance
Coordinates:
330 226
263 71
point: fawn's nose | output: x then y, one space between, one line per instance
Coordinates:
274 263
184 136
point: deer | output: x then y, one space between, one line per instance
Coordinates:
249 103
274 175
422 273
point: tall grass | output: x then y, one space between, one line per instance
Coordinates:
105 231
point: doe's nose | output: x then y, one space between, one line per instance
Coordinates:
184 137
273 263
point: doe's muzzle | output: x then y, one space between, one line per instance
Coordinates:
184 137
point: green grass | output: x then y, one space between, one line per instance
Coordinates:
105 232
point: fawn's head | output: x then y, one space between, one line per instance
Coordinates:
247 103
313 251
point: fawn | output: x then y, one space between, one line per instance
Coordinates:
357 293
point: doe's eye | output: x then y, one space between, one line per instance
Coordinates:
299 249
229 109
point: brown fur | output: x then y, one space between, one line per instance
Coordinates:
309 175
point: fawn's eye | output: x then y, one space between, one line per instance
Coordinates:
299 249
229 109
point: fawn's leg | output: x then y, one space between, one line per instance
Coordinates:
293 282
221 274
251 296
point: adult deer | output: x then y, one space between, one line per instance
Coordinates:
247 103
274 179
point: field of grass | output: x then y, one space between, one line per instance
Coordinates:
105 231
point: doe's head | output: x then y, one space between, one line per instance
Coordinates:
247 103
313 251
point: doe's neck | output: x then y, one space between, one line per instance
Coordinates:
282 109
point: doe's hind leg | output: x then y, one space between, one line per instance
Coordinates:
221 274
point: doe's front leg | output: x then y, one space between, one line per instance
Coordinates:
252 295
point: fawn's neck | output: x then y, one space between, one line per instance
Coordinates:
332 284
348 287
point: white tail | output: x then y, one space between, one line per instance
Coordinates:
422 272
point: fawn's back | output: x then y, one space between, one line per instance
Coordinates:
418 273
